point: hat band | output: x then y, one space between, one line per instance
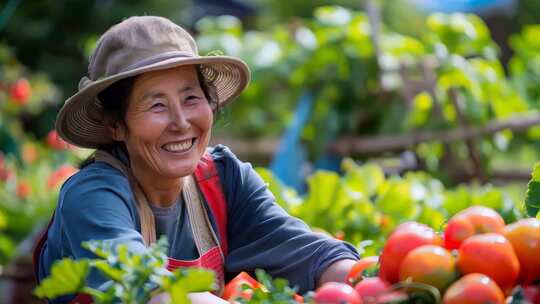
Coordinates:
157 58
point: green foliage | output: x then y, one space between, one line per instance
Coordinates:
357 91
532 200
67 277
31 170
274 291
134 278
366 205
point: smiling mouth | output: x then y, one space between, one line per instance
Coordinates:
180 146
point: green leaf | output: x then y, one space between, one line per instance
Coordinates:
67 277
189 280
395 199
532 197
333 15
109 271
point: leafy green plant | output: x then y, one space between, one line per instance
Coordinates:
274 291
448 77
532 199
365 205
134 278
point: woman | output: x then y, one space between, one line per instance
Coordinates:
147 107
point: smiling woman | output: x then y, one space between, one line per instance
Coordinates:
147 107
166 131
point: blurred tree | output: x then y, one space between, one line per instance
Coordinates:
56 36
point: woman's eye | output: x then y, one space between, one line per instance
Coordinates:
192 99
157 106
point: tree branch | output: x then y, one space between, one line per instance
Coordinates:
377 144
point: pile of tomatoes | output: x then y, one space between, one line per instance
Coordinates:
477 259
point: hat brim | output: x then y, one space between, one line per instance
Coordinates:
81 122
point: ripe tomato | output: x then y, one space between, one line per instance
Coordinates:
60 175
20 91
405 238
55 142
233 289
471 221
357 271
23 189
474 288
490 254
524 235
429 264
336 293
369 288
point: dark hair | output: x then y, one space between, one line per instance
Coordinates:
115 102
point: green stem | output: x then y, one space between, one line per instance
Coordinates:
431 291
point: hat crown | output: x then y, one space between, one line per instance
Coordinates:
134 42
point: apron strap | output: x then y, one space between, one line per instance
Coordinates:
209 183
203 234
146 217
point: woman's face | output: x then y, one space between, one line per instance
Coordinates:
168 123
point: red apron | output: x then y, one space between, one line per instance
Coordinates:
209 184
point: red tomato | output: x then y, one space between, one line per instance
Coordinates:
233 289
336 293
20 91
298 298
60 175
490 254
405 238
471 221
429 264
23 189
474 288
55 142
524 235
356 273
369 288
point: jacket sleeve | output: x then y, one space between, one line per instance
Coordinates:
262 235
96 206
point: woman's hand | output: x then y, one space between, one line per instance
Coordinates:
336 272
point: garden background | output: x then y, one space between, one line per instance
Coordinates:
360 114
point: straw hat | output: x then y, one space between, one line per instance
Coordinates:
132 47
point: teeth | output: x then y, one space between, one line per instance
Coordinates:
179 146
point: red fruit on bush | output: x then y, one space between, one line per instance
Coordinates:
429 264
234 289
369 288
355 275
474 288
405 238
23 189
20 91
60 175
29 153
55 142
490 254
471 221
524 235
336 293
6 174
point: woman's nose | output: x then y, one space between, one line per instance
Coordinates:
179 120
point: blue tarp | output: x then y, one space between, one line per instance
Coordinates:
475 6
